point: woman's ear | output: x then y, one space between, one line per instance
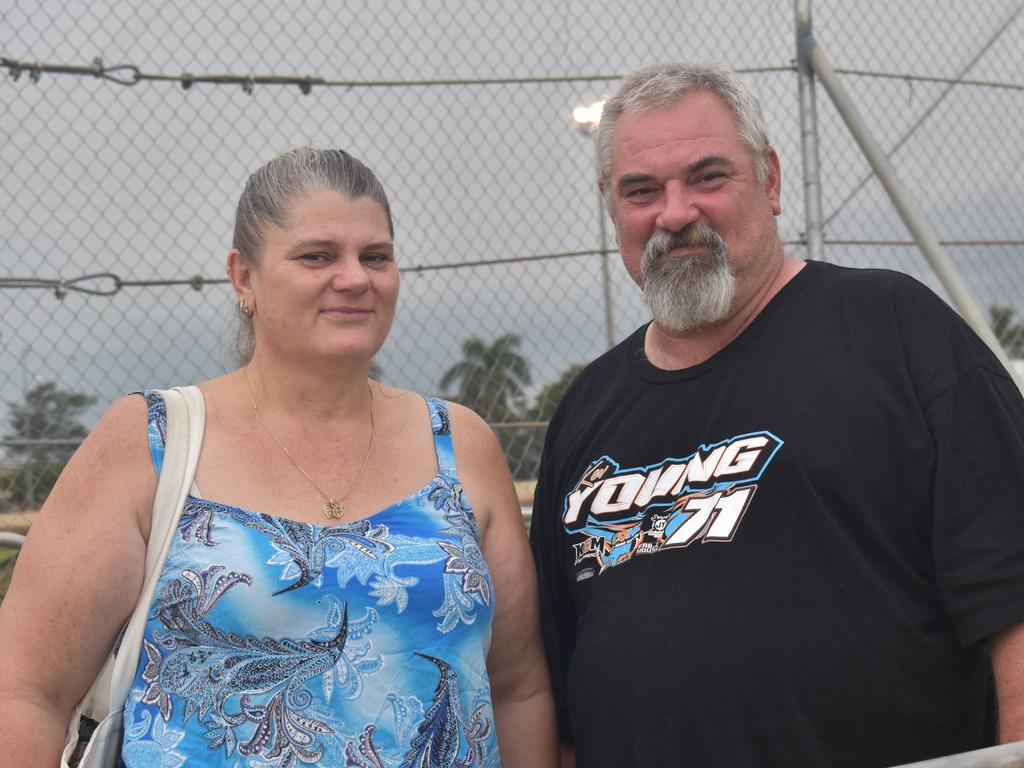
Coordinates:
240 275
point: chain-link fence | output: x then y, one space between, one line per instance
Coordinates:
129 127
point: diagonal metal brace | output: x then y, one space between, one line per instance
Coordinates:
912 216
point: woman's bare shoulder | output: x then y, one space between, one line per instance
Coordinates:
122 427
469 428
113 462
477 452
479 457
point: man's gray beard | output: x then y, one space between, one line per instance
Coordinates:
687 292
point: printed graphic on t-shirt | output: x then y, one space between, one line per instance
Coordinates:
615 514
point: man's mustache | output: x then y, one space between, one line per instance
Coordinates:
696 235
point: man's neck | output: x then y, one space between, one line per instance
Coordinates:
673 350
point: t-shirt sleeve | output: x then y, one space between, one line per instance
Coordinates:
978 524
557 610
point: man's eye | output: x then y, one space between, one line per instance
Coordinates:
314 258
640 192
708 178
376 258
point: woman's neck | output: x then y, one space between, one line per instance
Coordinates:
325 392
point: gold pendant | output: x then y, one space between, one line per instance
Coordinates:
334 509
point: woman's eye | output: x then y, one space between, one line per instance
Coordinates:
375 258
314 258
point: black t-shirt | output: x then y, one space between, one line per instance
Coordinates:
789 554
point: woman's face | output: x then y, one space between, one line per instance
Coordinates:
325 284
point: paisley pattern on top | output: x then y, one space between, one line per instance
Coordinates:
277 643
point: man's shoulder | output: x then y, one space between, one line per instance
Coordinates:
605 369
894 311
609 361
840 277
876 295
599 382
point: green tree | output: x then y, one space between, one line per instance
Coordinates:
550 394
491 378
523 445
1009 333
47 413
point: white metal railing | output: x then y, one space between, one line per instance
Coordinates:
1004 756
11 540
8 540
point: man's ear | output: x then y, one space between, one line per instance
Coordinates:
607 207
773 184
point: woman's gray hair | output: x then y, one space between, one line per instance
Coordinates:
271 191
663 85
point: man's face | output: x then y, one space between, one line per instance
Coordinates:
686 165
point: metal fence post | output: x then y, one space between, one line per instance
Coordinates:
606 278
813 217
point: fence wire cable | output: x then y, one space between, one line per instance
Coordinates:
35 69
61 286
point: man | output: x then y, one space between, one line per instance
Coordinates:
782 524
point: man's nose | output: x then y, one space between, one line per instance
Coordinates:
678 208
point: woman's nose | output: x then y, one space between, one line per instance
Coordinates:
350 275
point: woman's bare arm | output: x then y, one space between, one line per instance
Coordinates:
521 693
77 579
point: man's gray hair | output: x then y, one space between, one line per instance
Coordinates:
270 192
663 85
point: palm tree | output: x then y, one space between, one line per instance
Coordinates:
491 378
1009 333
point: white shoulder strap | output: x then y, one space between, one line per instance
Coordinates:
186 418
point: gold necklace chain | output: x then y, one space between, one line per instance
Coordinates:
334 508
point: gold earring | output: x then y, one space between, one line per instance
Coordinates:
244 308
229 269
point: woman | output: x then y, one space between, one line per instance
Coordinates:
350 556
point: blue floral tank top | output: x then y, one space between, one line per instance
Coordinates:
273 642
